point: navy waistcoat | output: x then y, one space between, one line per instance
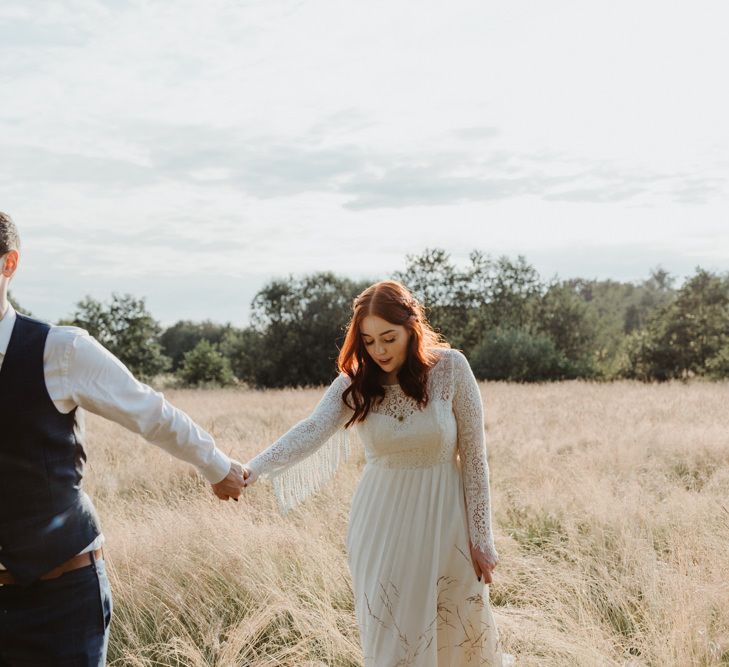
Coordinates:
45 517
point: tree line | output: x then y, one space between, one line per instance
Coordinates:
510 322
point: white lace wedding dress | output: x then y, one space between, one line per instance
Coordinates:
424 489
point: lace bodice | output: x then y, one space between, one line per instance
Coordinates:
396 434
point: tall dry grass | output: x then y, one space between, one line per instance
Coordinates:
611 512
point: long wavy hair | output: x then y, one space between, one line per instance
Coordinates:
393 302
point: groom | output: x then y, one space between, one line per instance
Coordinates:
55 601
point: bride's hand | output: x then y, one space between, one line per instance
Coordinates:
484 562
249 476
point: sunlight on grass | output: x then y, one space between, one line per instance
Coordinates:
610 511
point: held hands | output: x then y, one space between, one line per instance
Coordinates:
483 562
250 476
231 484
237 478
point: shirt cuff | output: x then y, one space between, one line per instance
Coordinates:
218 469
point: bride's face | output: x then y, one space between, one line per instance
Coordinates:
386 343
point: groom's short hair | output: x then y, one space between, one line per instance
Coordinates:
9 237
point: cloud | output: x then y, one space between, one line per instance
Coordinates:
267 134
169 298
429 186
268 166
36 164
452 179
160 246
475 133
265 99
699 190
26 33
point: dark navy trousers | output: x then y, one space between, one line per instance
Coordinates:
60 622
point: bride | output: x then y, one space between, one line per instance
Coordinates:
419 544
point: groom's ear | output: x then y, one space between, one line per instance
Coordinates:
10 263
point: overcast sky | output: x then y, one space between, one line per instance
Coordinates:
189 151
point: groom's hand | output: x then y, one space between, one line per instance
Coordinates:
231 484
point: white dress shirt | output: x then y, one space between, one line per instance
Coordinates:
79 372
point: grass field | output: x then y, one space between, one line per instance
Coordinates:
611 514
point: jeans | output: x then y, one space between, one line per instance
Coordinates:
60 622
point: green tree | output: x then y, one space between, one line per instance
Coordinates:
184 335
443 290
493 303
301 324
506 291
571 324
650 295
718 365
205 365
466 304
648 355
244 348
127 330
518 356
620 308
684 336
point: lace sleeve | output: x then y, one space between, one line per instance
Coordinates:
468 409
304 458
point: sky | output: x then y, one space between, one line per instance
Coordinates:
188 152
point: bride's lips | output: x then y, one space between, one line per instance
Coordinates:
386 361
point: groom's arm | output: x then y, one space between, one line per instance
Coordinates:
93 378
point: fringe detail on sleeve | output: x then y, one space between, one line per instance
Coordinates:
301 480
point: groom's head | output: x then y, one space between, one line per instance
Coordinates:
9 250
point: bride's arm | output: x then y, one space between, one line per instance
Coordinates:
468 410
305 437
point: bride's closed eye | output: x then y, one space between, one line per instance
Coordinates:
392 340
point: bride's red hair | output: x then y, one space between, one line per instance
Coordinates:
391 301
